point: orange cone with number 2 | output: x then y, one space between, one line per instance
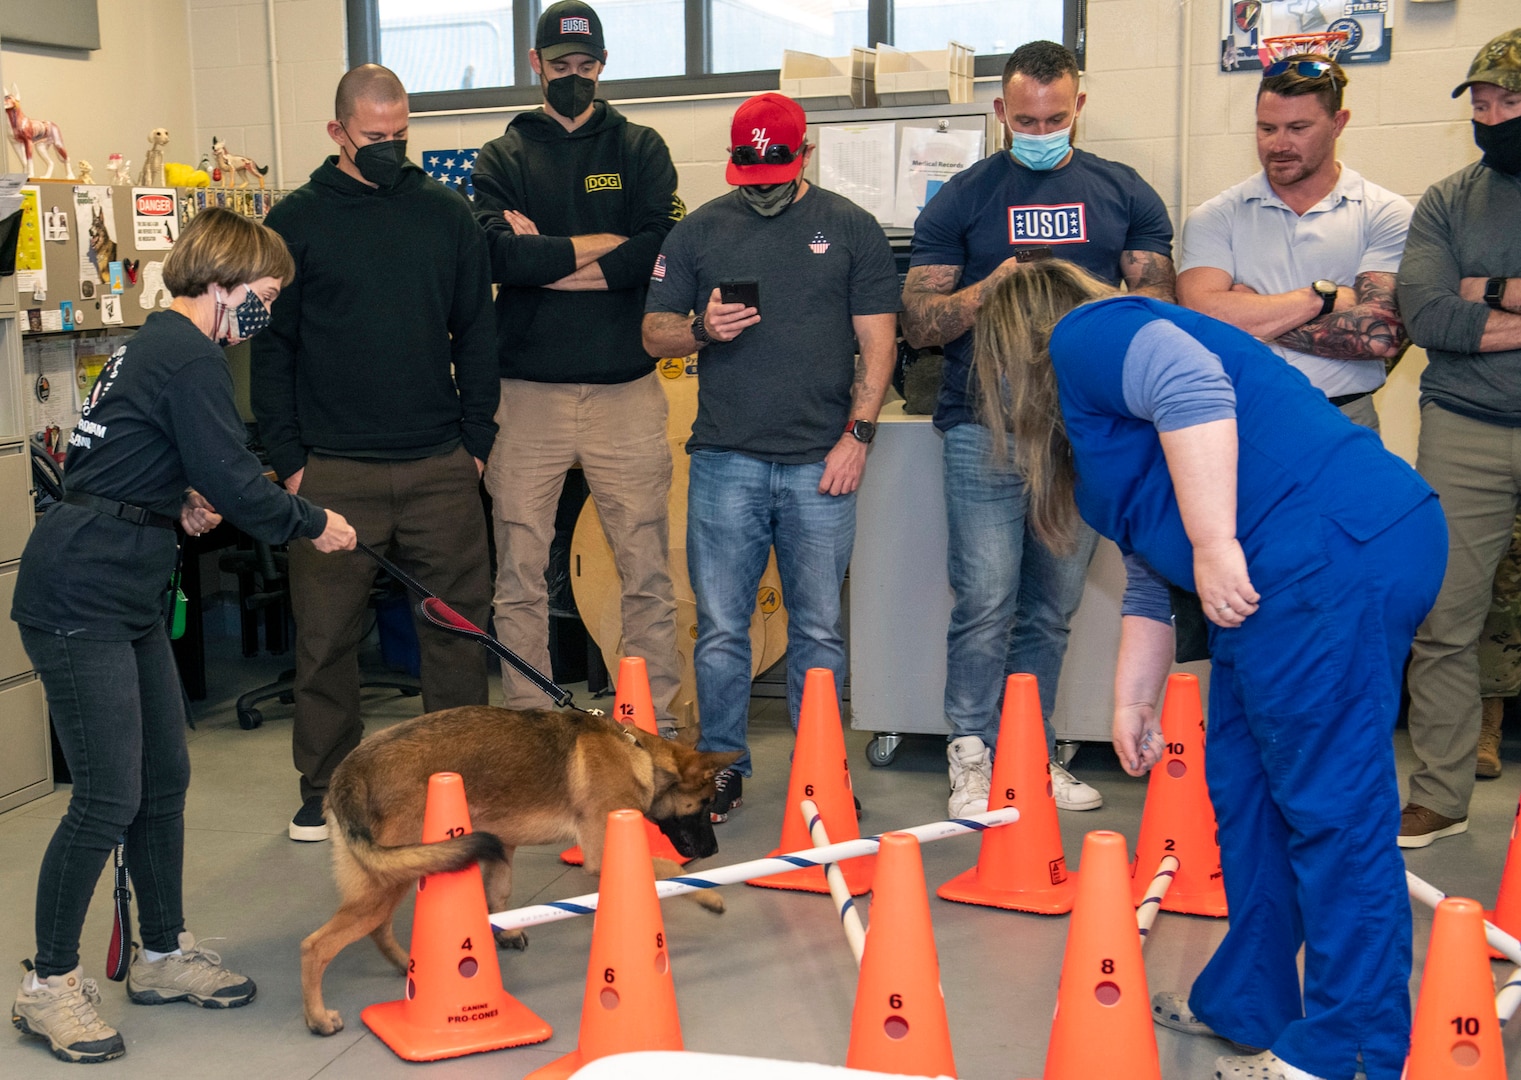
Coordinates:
1456 1035
632 705
899 1024
1103 1025
630 1000
455 1004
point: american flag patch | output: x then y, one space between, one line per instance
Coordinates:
818 245
452 167
575 26
658 274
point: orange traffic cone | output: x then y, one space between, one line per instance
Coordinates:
455 1004
821 772
1020 866
630 1000
1179 818
1456 1033
1103 1023
1507 912
899 1023
632 705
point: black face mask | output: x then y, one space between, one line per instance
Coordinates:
380 163
569 95
1501 144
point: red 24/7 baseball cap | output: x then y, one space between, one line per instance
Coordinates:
769 130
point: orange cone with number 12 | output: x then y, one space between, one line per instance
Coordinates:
898 1024
1456 1035
1020 866
821 772
630 1000
632 705
455 1004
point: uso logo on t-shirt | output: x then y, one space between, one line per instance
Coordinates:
1063 223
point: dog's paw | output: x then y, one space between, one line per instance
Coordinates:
710 899
511 939
327 1022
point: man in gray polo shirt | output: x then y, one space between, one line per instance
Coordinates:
1303 254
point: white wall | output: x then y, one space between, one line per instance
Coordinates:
108 100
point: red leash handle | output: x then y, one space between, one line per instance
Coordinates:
120 954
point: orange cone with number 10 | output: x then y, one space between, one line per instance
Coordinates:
1020 866
1103 1025
1456 1035
630 1000
821 772
632 705
899 1024
1179 819
455 1004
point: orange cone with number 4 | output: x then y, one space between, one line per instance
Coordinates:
899 1024
632 705
1179 819
1456 1035
821 772
1019 866
455 1004
1103 1023
630 1000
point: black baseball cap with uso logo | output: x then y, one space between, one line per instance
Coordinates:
569 27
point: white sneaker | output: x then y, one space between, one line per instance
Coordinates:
971 773
1071 793
1264 1066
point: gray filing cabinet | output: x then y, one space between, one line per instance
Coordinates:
900 603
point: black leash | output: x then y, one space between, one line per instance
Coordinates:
121 937
445 617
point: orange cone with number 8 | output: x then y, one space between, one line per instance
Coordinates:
455 1004
630 1000
899 1023
1103 1021
1456 1034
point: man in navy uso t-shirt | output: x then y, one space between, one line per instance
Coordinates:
1014 597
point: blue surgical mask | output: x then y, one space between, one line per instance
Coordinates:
1041 152
235 324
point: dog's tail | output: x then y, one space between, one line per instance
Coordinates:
264 171
403 864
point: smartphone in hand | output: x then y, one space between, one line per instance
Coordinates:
1033 254
740 292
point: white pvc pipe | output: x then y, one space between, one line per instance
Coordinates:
844 903
518 918
274 95
1509 996
1498 939
1146 914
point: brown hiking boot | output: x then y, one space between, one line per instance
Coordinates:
1487 766
1420 826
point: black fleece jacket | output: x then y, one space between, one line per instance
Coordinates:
382 346
607 176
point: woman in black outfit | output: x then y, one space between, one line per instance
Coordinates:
160 445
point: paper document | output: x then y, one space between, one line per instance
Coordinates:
856 161
926 160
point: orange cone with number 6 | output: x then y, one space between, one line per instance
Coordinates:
1103 1025
455 1004
630 1000
632 705
1456 1035
899 1024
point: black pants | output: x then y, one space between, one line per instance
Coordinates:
120 717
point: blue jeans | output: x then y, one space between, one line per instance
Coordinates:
737 508
1014 598
119 713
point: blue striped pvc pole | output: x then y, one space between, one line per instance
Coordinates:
844 903
1146 914
518 918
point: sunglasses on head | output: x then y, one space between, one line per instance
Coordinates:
1305 69
775 154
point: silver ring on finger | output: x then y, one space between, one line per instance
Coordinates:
1224 609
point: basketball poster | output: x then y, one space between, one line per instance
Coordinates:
1253 32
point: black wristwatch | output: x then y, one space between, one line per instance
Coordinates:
700 332
1326 290
861 430
1494 292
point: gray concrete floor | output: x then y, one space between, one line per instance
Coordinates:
771 978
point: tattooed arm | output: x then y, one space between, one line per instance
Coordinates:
1371 329
935 312
1148 273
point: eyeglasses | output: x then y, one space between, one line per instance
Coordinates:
1305 69
775 154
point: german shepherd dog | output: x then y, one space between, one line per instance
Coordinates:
531 777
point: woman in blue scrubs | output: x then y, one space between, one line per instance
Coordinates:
1315 553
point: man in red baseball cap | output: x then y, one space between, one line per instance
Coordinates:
785 405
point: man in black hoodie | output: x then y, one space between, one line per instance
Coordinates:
576 201
375 392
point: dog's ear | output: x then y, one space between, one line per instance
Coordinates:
702 765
